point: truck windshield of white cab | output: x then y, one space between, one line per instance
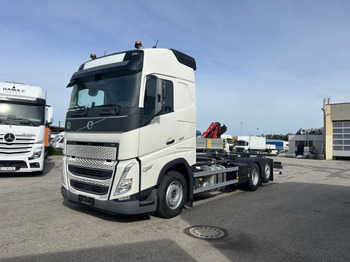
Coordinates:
113 89
19 113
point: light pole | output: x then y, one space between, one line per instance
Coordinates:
241 127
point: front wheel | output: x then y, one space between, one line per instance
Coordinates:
171 195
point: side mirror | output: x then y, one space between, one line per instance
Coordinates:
48 115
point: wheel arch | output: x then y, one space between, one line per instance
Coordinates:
180 165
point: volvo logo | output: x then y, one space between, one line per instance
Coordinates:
9 137
89 124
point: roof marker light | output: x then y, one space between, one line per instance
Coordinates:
93 56
138 44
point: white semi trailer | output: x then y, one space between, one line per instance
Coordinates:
130 141
24 116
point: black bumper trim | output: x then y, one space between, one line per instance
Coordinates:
127 207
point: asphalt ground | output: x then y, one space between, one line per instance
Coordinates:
303 215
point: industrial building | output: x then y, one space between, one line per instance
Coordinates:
330 142
308 143
337 130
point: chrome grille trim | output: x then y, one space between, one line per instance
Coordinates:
91 181
92 152
91 163
22 144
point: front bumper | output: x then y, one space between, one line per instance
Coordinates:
127 207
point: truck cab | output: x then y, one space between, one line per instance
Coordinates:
24 116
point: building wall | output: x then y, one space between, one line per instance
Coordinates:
328 127
337 130
307 140
340 112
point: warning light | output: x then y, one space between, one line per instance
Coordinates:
138 44
93 56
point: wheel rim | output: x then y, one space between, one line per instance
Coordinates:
255 177
174 195
267 171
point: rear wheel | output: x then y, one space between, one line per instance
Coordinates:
267 173
254 177
171 195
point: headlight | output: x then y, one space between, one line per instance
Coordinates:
37 153
124 184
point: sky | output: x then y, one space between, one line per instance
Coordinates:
263 67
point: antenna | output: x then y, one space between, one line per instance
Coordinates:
105 53
155 46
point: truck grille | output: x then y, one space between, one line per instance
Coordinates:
98 190
19 164
90 172
22 144
91 168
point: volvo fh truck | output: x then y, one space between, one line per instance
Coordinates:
130 137
24 117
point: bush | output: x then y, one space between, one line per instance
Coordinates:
51 151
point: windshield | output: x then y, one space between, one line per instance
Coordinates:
16 113
118 88
241 143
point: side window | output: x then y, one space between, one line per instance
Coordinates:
155 86
168 96
150 96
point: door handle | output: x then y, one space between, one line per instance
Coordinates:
170 142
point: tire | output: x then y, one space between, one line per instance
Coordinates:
254 178
171 195
267 173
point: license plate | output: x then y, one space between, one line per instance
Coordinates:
7 168
86 200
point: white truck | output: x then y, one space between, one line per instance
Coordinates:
251 144
130 137
24 117
228 142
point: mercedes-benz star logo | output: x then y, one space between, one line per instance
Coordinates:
9 137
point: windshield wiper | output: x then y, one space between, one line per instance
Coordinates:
26 121
110 109
80 111
77 108
4 121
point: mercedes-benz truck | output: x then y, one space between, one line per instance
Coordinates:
24 117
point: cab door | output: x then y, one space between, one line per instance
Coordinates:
159 126
158 133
